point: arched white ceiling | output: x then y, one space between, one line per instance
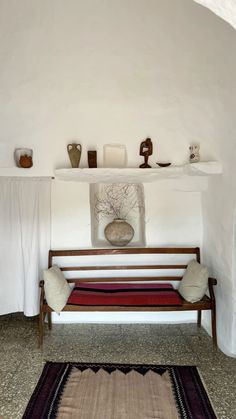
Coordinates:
223 8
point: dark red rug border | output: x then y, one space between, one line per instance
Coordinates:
191 397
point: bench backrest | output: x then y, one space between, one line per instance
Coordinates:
109 265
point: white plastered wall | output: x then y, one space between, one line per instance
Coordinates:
106 71
219 203
219 245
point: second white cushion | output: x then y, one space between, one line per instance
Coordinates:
194 283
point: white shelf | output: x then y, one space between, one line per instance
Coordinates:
137 175
126 175
20 172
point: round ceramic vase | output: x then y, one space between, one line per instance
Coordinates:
119 232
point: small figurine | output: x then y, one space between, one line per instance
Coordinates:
146 151
194 153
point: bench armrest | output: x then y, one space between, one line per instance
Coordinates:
211 282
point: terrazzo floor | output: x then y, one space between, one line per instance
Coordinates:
21 362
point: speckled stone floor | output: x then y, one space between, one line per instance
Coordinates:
21 362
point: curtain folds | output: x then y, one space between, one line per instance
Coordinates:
25 208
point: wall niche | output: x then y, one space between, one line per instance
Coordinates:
117 200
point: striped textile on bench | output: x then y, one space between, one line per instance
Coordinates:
85 294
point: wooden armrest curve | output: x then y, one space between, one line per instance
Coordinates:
212 281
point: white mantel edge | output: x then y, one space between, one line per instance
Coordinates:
137 175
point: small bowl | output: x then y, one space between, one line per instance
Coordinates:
163 164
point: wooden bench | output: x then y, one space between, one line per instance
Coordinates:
95 265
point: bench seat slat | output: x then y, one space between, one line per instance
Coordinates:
184 307
204 304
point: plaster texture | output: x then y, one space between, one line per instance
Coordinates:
21 362
100 72
79 73
170 218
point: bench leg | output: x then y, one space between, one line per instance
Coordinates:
199 318
213 325
50 321
40 329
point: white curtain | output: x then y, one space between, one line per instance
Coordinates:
25 207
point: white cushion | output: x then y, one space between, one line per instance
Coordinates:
57 289
194 283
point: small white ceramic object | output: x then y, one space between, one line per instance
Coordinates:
194 153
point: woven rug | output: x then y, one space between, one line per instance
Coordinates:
113 391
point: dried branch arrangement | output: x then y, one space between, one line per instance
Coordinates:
117 200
